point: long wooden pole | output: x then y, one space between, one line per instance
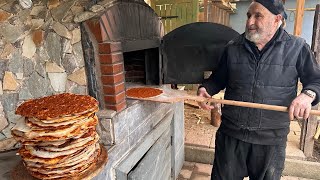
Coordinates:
258 106
246 104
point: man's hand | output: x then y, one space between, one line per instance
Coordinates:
300 107
203 93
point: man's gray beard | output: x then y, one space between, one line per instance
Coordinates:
253 37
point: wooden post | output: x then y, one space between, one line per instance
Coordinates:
309 127
195 9
316 35
216 115
299 18
307 133
205 9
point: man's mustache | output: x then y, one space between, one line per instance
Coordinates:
252 27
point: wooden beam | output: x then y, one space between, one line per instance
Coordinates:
316 34
310 129
299 18
305 9
225 5
205 5
311 125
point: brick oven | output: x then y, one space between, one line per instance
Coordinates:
121 43
144 139
124 46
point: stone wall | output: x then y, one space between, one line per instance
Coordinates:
40 54
132 133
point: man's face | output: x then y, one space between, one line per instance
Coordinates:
261 23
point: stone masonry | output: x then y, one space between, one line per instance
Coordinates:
40 54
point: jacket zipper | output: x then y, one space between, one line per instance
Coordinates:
257 63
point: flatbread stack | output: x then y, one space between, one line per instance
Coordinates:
58 135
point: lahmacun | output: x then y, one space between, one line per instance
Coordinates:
59 121
58 136
59 105
21 129
60 143
74 159
143 92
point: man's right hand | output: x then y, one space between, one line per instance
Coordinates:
203 93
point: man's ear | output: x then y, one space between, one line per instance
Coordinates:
278 18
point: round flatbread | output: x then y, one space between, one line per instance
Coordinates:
143 92
22 132
60 105
68 171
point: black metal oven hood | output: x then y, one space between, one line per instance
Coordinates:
190 50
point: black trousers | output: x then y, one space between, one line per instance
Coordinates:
235 159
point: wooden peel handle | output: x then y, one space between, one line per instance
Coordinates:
246 104
257 105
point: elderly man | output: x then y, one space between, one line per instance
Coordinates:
262 66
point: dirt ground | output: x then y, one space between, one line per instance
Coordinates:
198 120
316 151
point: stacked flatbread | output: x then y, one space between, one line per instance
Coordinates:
58 135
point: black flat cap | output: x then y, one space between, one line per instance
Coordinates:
274 6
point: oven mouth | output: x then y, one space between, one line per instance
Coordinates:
134 66
142 67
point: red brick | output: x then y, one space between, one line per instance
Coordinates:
95 28
107 28
129 74
108 69
113 89
117 107
107 48
129 67
112 79
110 58
134 74
115 99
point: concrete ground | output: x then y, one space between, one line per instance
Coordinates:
199 171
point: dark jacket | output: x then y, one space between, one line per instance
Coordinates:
271 79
